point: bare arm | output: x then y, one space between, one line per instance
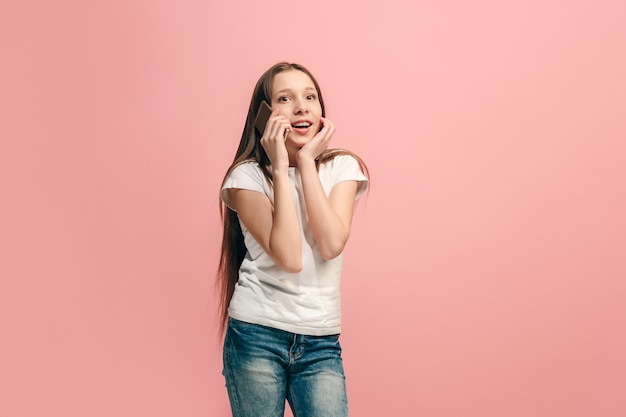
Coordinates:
276 228
330 217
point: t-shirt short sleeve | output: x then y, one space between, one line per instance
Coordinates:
347 168
247 176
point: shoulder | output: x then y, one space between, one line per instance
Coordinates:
342 161
344 166
244 171
247 176
245 167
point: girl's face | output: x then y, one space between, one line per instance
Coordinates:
294 94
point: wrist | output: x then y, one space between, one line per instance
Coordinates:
303 159
279 169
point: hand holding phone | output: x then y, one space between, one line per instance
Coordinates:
273 140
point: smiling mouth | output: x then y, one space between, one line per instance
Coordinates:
301 125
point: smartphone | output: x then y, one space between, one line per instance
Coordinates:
262 116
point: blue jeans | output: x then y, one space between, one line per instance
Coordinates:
264 366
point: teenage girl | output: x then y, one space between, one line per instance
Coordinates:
288 204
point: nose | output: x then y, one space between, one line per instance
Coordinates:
300 107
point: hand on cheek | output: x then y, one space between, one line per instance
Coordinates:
319 143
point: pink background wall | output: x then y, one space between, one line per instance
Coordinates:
486 271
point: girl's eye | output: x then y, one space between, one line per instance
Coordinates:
283 99
311 97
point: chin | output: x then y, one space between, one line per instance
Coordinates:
299 141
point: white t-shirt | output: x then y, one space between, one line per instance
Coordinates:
307 302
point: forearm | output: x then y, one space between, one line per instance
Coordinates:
330 231
285 241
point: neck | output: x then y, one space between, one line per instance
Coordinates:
292 156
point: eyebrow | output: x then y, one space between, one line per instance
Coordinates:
284 90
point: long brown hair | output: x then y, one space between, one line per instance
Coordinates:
250 149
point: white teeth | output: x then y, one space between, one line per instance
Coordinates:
303 124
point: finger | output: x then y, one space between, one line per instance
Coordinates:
329 128
327 124
286 129
326 132
282 122
276 127
276 134
269 135
282 127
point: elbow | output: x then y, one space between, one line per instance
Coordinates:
329 255
291 267
287 257
331 251
332 245
290 264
